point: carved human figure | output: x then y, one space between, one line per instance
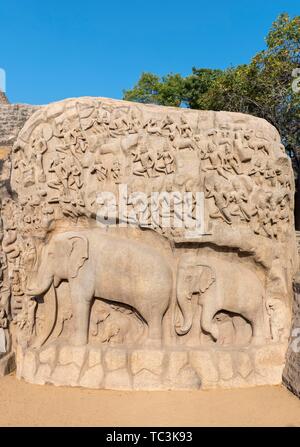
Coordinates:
264 222
257 171
257 144
185 129
239 197
221 199
167 160
278 319
119 123
270 174
146 160
39 146
241 146
98 168
116 171
134 122
153 127
231 161
59 167
216 160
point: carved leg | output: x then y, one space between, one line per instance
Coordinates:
81 315
207 321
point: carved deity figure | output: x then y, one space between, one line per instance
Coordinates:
215 158
167 160
278 318
231 161
146 160
221 199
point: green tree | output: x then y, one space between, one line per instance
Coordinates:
262 88
150 88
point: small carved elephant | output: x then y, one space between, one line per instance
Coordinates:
234 288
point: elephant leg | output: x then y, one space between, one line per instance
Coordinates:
81 315
258 326
207 315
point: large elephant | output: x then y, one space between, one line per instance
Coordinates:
109 267
226 286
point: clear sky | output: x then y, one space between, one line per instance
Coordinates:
54 49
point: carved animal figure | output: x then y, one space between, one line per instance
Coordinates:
219 288
107 267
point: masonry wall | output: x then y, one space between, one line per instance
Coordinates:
12 119
291 373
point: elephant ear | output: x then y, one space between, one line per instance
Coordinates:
79 253
207 277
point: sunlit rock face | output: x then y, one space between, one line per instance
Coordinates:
147 247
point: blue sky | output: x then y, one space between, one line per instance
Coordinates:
55 49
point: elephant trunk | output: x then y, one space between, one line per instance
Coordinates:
185 304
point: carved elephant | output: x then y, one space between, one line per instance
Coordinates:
115 269
226 286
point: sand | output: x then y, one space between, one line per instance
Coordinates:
23 404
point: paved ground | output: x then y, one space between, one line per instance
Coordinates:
23 404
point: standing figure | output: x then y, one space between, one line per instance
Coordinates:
146 160
221 201
167 160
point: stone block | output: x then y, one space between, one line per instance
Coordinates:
115 359
150 360
118 380
65 375
92 378
72 354
202 363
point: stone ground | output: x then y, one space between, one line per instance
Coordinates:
23 404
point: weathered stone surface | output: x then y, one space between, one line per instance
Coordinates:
115 359
72 354
244 364
29 365
203 364
128 291
65 375
95 356
225 365
151 360
43 374
146 380
291 373
118 379
93 377
48 355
